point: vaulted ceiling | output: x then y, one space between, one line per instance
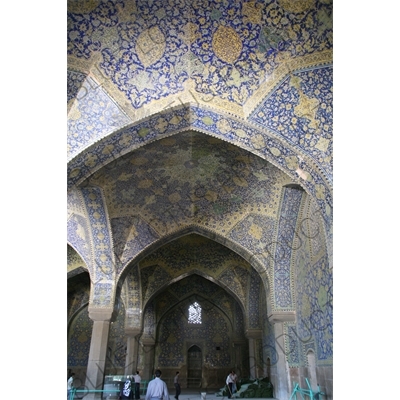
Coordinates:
197 113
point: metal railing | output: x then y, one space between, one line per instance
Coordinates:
74 391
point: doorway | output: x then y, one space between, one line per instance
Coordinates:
194 374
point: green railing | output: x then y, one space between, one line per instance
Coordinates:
73 393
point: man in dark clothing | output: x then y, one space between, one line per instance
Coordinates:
137 379
177 385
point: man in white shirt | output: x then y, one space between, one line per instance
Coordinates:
230 381
157 388
138 379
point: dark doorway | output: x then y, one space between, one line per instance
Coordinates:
194 367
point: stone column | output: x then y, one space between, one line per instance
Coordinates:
148 352
253 335
132 346
98 350
282 385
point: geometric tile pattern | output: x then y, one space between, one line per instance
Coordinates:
300 111
283 290
167 45
214 261
80 334
87 122
74 83
131 235
102 241
117 342
74 261
78 236
269 343
291 344
205 120
138 58
255 294
314 304
131 295
215 331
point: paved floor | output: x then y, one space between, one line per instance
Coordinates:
193 395
190 394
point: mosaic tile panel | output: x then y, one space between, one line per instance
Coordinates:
126 140
314 305
197 284
254 293
235 279
223 49
73 259
282 275
133 303
256 233
77 299
269 344
104 264
149 320
89 25
239 319
102 295
74 204
314 231
300 111
170 298
78 236
153 278
240 133
305 348
175 331
281 156
74 83
291 345
131 235
92 116
117 342
197 253
80 334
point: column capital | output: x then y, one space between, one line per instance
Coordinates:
253 333
148 341
101 314
132 332
282 316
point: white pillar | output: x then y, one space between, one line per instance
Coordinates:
98 350
132 346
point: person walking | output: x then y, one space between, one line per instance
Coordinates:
70 384
234 378
177 385
137 379
157 388
229 382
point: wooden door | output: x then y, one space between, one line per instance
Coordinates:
194 367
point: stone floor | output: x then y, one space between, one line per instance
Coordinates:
190 394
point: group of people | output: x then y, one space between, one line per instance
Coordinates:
231 383
157 388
